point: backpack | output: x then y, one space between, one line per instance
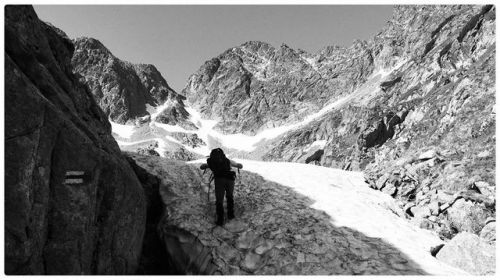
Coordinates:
220 164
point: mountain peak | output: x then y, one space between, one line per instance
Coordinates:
89 43
256 44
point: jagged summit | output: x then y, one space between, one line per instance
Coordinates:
122 89
256 45
89 43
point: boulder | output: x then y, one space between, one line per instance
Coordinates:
435 249
432 219
488 232
420 211
408 191
467 216
389 189
408 208
380 183
73 205
485 188
427 155
444 197
434 207
470 253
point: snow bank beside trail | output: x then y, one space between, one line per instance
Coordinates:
348 200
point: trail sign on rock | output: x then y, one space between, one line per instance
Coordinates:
76 177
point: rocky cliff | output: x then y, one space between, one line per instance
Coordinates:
418 114
256 86
124 90
73 205
427 135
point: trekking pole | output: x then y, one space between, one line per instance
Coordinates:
239 176
209 185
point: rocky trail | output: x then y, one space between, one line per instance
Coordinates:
291 219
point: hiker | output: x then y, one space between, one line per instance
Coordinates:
224 182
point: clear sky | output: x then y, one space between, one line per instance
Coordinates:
179 39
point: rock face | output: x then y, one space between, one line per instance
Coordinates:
437 94
72 203
441 155
122 89
418 115
256 86
470 253
174 113
275 232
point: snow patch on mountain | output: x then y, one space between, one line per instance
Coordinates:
318 144
122 130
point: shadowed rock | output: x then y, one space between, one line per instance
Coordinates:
72 203
316 157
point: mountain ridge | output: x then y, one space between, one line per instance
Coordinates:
124 89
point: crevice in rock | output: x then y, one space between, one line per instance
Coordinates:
167 250
473 23
186 254
429 46
154 258
441 25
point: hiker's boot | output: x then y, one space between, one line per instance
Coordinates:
230 207
230 211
